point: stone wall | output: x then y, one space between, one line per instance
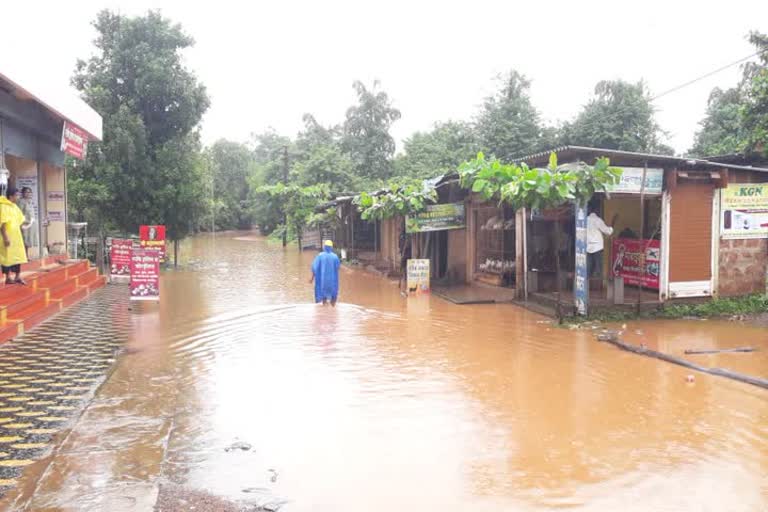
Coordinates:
742 266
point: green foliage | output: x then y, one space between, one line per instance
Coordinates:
366 133
296 202
231 165
399 199
326 219
440 151
737 119
508 124
754 112
148 169
725 307
524 187
326 163
620 116
721 130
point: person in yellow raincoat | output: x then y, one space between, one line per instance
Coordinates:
12 251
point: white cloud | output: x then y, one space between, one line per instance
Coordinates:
266 63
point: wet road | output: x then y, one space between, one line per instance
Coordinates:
236 386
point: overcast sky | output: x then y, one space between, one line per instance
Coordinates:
265 63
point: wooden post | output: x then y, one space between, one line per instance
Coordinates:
642 237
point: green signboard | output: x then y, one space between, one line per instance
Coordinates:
437 217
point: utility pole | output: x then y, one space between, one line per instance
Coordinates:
285 182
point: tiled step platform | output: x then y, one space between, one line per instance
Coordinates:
53 283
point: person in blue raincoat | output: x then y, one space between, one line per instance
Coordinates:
325 274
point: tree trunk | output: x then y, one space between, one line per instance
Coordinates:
175 253
100 253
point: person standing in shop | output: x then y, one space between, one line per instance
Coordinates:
596 230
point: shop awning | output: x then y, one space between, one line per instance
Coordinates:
61 101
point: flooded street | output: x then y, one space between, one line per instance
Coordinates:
236 385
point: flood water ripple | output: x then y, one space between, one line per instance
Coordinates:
385 403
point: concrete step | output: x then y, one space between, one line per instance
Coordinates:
87 277
10 330
72 296
36 314
97 283
50 277
24 299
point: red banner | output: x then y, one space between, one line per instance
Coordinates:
153 237
120 257
145 274
625 261
74 141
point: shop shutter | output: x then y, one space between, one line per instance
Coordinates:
690 239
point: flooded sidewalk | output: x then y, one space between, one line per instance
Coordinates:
235 392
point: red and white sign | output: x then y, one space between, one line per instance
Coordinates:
145 274
120 257
625 261
153 237
74 141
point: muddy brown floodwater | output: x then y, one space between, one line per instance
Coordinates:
236 386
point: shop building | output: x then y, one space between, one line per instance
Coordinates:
38 126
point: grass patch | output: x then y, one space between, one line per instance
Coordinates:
732 306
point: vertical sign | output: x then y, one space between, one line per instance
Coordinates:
74 141
418 276
581 280
145 274
120 257
153 237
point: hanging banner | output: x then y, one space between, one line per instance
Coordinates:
631 181
145 274
626 256
153 237
417 276
437 217
744 211
120 257
581 280
74 141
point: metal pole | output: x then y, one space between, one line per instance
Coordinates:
285 182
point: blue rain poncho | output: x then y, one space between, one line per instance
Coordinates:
326 271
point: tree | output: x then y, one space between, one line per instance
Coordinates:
400 199
620 116
754 113
319 158
366 136
440 151
326 164
298 203
231 165
147 168
508 124
721 130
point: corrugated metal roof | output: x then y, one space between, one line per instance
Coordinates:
565 151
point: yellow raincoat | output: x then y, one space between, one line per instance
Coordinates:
12 218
